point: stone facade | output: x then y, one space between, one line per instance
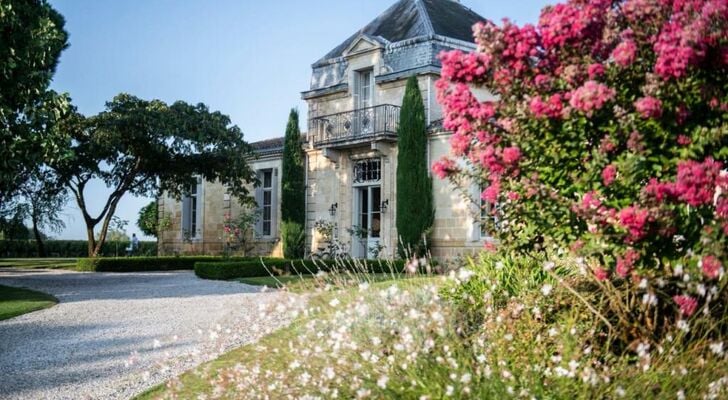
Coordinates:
353 103
210 237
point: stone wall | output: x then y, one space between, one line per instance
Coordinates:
216 204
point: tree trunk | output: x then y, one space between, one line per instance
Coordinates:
38 239
91 241
105 227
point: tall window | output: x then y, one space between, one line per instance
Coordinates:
267 204
191 211
364 86
266 197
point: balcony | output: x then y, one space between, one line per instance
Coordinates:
354 127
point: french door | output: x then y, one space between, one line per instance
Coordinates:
363 87
368 221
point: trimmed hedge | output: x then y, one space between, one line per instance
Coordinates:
254 268
68 248
148 264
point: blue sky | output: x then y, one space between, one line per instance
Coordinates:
248 59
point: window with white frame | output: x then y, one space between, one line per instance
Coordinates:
192 211
363 88
266 198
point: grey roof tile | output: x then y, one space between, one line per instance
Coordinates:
408 19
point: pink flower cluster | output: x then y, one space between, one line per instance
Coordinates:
711 266
636 221
649 107
511 155
684 40
491 193
696 183
444 167
687 304
464 67
576 23
608 174
625 53
551 108
625 263
591 97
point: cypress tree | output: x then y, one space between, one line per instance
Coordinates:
293 189
415 212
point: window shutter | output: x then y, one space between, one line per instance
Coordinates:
186 214
357 89
199 211
259 204
275 204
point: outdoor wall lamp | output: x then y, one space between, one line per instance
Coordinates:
333 208
384 205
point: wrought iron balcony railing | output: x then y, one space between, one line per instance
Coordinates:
353 126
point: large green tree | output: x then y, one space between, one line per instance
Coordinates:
142 148
32 37
415 211
293 196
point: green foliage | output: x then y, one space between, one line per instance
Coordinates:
32 37
265 267
414 184
293 237
148 220
66 248
240 230
12 226
293 201
141 264
146 147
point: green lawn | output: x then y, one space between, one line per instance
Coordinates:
16 301
37 263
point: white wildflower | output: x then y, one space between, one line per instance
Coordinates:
649 299
549 265
382 381
546 289
465 274
717 348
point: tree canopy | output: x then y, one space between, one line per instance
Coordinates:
32 37
145 147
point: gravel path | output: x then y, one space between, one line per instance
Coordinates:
113 336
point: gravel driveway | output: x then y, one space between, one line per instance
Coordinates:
114 335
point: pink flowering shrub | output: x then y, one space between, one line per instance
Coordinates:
609 139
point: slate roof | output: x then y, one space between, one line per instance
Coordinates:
408 19
268 146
